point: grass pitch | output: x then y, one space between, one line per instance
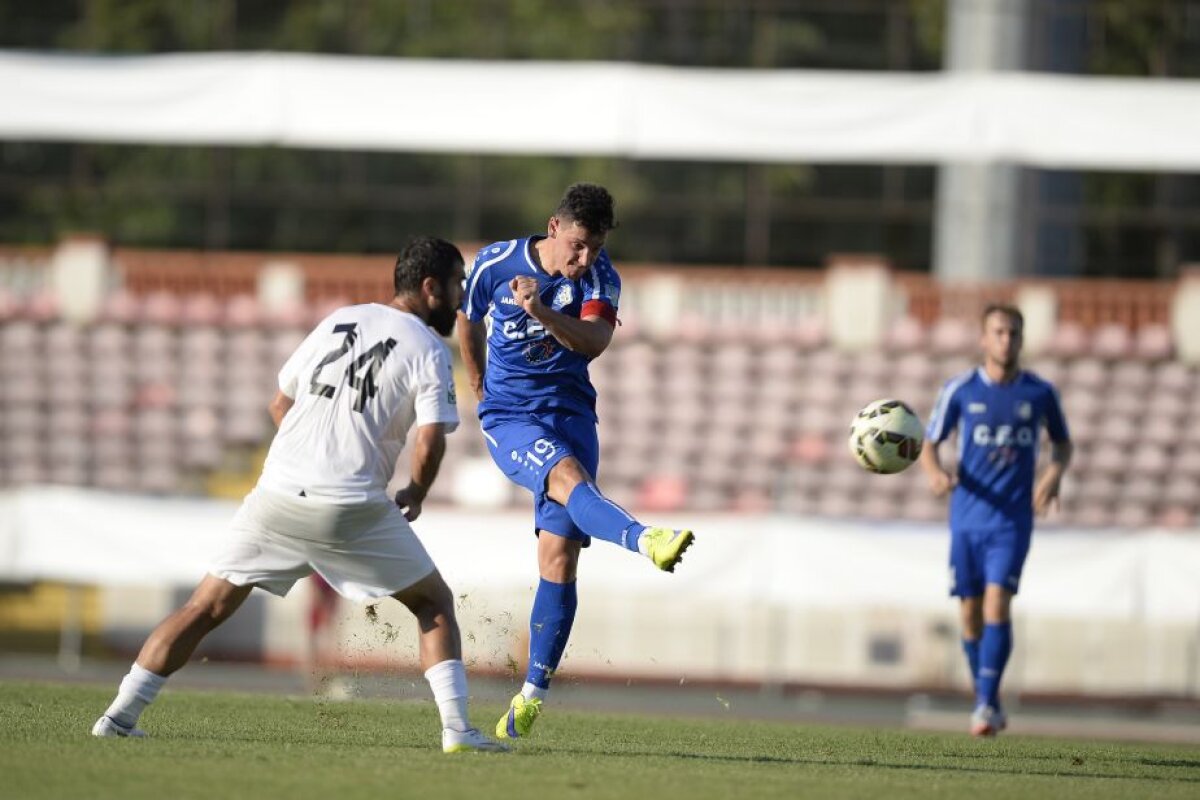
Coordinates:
216 745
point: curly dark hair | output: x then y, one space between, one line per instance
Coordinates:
588 204
424 257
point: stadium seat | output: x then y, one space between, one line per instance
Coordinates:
1086 373
200 311
1070 340
1174 376
156 392
953 336
1111 342
242 311
1153 342
662 493
905 335
162 308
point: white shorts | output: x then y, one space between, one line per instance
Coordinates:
364 551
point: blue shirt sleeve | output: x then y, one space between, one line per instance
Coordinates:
601 287
480 281
1056 421
946 412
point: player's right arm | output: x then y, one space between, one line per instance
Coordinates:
476 302
940 481
280 404
472 342
943 420
291 375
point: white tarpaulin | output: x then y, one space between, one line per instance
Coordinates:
1150 576
628 110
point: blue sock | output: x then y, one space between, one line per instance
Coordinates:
994 648
549 628
971 649
600 517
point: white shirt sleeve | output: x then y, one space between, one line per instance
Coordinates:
436 400
291 374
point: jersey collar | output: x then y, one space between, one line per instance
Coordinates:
983 376
533 265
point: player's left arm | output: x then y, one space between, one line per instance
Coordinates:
428 448
1045 492
437 415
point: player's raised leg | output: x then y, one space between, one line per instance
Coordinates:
432 603
569 485
167 649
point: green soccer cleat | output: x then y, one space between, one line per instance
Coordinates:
665 547
519 719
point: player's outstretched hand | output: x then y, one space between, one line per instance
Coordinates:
525 292
941 482
409 499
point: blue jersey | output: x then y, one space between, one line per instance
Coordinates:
999 425
528 370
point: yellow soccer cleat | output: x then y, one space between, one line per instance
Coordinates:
519 719
665 546
469 741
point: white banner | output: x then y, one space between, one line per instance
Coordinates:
97 537
628 110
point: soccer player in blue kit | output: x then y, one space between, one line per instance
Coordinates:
552 303
998 411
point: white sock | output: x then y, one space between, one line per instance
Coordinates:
531 691
448 680
137 690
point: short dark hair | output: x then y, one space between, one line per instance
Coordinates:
424 257
1009 310
588 204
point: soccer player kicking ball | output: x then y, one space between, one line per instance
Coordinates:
552 300
346 401
998 411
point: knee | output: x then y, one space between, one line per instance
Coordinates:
431 599
997 607
559 566
997 614
563 478
206 614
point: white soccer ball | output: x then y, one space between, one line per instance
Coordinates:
886 437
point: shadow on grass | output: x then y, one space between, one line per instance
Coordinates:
869 762
1170 762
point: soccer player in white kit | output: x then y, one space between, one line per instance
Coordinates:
346 401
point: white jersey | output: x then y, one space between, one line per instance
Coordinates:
360 380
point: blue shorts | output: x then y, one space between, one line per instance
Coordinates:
526 447
979 556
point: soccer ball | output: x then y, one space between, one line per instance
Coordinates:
886 437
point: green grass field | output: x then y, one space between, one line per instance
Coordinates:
219 745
